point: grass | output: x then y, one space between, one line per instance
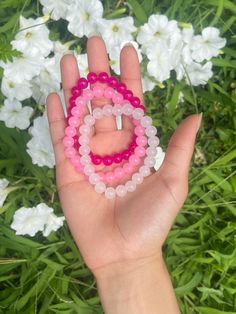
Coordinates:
39 275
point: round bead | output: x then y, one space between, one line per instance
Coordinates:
100 187
138 130
73 121
128 168
84 129
130 186
97 113
117 98
138 113
107 110
146 121
88 170
117 110
127 94
150 161
83 140
125 154
87 94
121 88
70 152
94 178
112 81
98 91
84 150
135 101
127 109
80 101
103 77
96 159
140 151
72 100
107 160
153 141
144 171
109 92
134 160
151 131
110 193
92 77
77 111
85 160
75 91
70 131
82 83
121 190
141 140
68 141
151 152
117 158
119 172
137 178
89 120
110 177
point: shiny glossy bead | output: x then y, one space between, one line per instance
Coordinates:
109 92
73 121
117 98
72 101
98 91
96 159
119 172
88 170
107 160
153 141
141 140
138 130
82 83
110 177
94 178
70 131
77 111
92 77
75 91
125 154
151 131
87 94
135 101
127 94
117 158
137 178
80 101
68 141
121 88
103 77
121 191
112 81
97 113
110 193
100 187
130 186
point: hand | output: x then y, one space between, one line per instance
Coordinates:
126 229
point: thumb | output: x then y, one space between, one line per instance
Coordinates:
180 148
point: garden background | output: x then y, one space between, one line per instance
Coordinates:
47 274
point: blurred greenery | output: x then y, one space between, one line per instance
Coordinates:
47 275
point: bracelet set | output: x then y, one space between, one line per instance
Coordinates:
141 151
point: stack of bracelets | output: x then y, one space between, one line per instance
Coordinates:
143 145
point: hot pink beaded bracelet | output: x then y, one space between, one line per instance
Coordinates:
109 93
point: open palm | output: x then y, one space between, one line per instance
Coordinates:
133 227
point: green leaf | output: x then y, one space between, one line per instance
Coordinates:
138 11
210 310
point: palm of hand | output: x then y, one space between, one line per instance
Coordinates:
133 227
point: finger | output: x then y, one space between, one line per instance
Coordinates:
56 120
131 76
98 62
69 75
180 149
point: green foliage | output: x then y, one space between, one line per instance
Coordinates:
48 275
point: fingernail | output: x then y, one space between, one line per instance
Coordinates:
199 121
68 52
94 34
128 44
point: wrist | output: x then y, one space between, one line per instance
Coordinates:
136 287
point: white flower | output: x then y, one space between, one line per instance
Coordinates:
114 55
3 190
32 39
53 223
23 68
57 9
159 65
12 89
116 31
187 36
147 84
14 115
82 61
159 158
83 15
31 220
40 146
198 74
48 80
207 45
157 31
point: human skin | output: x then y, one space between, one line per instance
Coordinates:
121 239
